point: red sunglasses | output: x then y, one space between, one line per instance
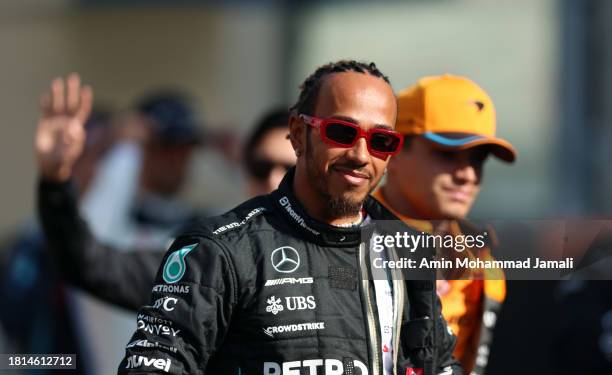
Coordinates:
381 142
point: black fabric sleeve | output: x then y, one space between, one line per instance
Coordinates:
122 278
446 363
426 343
189 315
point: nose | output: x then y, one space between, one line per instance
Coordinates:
467 172
359 152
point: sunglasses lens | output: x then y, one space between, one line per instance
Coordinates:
384 142
260 169
341 133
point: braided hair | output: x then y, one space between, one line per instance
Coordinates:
309 90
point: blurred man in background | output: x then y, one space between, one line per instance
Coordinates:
39 317
449 128
103 268
132 202
268 154
124 278
146 171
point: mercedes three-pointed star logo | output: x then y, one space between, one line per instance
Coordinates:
285 259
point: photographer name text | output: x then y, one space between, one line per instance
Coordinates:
473 263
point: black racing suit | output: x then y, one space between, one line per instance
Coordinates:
265 289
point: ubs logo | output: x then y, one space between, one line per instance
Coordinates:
285 259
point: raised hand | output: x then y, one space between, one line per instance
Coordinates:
60 135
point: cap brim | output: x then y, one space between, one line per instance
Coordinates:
462 141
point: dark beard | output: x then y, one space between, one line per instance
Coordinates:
343 207
337 206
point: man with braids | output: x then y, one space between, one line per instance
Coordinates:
279 284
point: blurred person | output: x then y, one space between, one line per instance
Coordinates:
121 278
268 154
39 317
272 286
449 128
132 204
104 270
148 170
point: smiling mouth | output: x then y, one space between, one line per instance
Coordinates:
352 176
459 195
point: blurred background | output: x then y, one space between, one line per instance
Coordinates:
547 64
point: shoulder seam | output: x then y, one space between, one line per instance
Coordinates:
230 262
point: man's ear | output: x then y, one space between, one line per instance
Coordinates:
297 134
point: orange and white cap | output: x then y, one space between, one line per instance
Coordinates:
453 113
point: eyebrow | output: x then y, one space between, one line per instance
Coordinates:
350 119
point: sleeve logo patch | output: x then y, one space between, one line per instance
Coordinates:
175 266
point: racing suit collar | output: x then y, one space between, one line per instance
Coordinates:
319 232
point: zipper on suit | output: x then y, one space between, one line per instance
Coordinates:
398 300
370 312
